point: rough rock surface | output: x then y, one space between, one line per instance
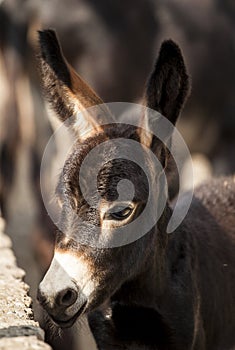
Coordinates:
18 330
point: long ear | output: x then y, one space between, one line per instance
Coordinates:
168 85
67 93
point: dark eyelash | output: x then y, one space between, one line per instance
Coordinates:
119 214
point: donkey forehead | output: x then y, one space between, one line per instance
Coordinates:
109 132
107 183
111 140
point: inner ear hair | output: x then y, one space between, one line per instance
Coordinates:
67 93
64 88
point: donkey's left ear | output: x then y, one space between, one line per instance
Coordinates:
168 84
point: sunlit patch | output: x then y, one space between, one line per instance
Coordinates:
78 269
85 124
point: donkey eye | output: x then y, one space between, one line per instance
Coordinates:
119 213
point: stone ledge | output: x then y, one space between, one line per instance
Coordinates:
26 343
18 330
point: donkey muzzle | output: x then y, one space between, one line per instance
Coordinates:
60 296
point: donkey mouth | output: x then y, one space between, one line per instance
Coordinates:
69 323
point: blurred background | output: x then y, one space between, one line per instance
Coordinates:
112 44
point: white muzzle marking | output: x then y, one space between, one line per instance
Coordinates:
65 271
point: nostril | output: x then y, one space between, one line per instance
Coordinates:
67 297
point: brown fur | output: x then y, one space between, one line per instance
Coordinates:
164 292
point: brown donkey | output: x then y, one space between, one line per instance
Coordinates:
162 291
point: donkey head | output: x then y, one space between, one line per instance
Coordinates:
83 275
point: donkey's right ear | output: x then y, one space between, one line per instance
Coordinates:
167 87
65 90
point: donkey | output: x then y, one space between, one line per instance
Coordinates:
162 291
